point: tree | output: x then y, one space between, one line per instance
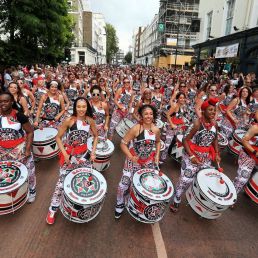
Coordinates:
128 57
112 42
37 31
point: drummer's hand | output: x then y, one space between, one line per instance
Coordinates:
236 121
36 123
218 158
134 159
156 159
92 156
67 158
56 118
105 128
195 161
27 153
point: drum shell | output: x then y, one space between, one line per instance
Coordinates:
123 126
144 207
251 188
222 141
45 149
203 205
234 147
15 195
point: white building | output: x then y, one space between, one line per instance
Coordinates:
223 17
147 42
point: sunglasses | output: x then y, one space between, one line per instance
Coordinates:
156 88
95 94
182 86
213 90
126 82
101 80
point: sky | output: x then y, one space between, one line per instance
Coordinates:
126 16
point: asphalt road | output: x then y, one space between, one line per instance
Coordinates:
185 234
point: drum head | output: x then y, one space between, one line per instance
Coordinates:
179 137
239 134
219 191
85 186
159 123
155 187
13 175
44 135
104 147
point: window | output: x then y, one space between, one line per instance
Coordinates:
230 14
209 21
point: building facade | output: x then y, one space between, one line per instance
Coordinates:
228 35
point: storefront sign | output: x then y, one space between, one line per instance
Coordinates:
227 51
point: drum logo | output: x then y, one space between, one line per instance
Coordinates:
153 183
8 175
154 212
85 185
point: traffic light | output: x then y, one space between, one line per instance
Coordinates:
195 25
67 53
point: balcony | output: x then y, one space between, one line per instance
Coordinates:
183 7
183 19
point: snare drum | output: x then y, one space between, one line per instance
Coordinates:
251 188
235 144
84 194
104 151
124 125
44 144
149 196
211 193
13 186
222 141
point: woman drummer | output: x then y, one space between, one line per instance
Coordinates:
248 157
51 107
100 111
143 138
74 152
16 136
200 148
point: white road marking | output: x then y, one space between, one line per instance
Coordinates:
159 242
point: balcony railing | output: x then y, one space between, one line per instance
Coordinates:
183 7
183 19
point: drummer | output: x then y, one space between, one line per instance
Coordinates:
16 136
100 111
74 152
200 147
142 140
51 107
248 157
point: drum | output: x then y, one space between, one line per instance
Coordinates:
222 141
124 125
13 186
211 193
149 196
104 151
235 144
84 194
251 188
177 150
44 143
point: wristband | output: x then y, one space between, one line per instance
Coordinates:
192 157
254 152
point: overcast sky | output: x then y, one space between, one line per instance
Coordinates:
126 16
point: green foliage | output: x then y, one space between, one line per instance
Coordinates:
128 57
112 42
37 31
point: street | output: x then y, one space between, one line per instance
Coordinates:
185 234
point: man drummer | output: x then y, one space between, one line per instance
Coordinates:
248 157
200 148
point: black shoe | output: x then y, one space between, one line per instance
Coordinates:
119 210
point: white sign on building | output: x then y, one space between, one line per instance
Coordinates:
227 51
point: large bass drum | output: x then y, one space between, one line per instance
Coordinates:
13 186
44 144
123 127
211 193
104 151
84 194
235 144
251 188
149 196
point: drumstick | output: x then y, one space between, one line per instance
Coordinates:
220 169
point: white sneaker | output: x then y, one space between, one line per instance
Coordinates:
32 196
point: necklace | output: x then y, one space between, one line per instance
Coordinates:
207 125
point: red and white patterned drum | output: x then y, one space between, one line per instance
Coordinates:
84 194
159 124
105 149
235 144
124 125
177 150
211 193
149 196
222 141
251 188
44 144
13 186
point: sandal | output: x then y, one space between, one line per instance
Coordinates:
174 207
